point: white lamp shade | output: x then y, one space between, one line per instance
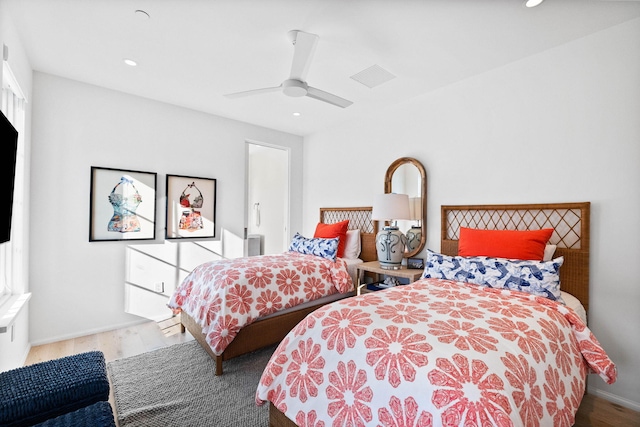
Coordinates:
390 206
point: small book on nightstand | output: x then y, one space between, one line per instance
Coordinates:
377 286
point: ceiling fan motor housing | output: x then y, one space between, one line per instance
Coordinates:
292 87
293 35
296 85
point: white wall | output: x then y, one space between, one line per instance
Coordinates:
77 285
556 127
14 345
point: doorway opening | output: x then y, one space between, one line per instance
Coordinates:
267 199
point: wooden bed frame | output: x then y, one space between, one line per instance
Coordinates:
570 222
273 329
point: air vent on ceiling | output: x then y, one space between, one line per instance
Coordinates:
373 76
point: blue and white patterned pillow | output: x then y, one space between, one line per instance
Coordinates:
325 248
541 278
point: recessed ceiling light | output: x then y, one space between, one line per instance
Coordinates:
130 62
532 3
142 14
296 114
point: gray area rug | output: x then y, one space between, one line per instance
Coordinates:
176 386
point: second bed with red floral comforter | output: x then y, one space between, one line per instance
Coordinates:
225 295
436 352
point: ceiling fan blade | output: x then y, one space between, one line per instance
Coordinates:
328 97
304 48
253 92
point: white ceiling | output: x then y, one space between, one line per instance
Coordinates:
192 52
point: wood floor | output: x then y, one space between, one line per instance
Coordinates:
115 344
149 336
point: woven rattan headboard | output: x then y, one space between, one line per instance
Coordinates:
359 218
570 222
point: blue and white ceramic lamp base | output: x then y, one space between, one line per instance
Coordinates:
390 244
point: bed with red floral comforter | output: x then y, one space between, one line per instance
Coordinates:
436 352
225 295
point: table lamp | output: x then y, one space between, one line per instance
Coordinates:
390 241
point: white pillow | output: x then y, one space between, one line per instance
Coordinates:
575 304
549 250
352 244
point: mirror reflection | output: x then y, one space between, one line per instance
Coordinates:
407 176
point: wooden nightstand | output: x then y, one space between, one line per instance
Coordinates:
412 274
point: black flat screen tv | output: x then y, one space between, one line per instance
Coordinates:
8 153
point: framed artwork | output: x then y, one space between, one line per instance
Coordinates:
191 207
123 205
415 263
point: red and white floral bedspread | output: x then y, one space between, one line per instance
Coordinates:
435 352
225 295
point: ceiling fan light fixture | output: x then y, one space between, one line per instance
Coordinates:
532 3
294 88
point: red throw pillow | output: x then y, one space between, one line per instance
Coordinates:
329 231
510 244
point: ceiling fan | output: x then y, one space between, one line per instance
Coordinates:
304 45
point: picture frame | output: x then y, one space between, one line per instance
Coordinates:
191 207
415 263
122 205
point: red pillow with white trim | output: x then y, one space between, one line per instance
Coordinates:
511 244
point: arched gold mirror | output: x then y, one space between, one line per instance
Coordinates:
407 176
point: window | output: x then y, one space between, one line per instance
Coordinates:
13 263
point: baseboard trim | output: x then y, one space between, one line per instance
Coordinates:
50 340
614 398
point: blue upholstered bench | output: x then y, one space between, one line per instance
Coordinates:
33 394
99 414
